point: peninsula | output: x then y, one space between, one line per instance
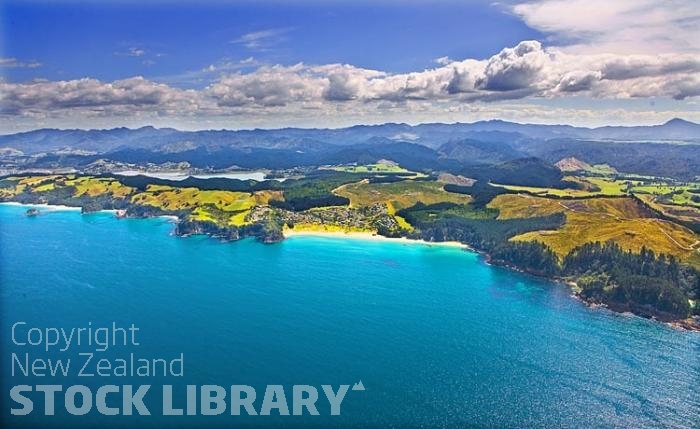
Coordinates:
623 241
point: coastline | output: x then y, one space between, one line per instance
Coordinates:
368 236
57 207
49 207
690 324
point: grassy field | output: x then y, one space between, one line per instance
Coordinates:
681 198
44 187
379 167
610 186
513 206
592 186
93 187
186 198
545 192
88 186
10 191
685 213
205 205
398 195
666 192
16 185
622 220
33 181
602 169
221 207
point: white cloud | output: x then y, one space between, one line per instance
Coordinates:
136 52
525 70
132 51
15 63
578 80
262 40
246 90
267 86
442 60
514 68
46 98
620 26
227 65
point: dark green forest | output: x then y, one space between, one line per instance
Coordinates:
643 283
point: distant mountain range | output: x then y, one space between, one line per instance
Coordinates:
670 149
431 135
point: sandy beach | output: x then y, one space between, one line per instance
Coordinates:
368 236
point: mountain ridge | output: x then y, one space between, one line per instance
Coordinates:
430 134
650 150
672 121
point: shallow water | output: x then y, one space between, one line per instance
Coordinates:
437 337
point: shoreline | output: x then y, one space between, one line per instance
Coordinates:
690 324
51 207
57 208
369 236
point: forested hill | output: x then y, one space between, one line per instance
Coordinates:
670 149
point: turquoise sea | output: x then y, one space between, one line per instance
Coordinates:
437 337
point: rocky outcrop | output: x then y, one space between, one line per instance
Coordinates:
572 164
192 227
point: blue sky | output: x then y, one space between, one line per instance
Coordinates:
123 39
219 63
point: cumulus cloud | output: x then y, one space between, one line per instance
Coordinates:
514 68
267 86
593 49
47 97
630 67
578 80
526 70
347 83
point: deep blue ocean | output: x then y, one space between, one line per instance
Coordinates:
437 337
